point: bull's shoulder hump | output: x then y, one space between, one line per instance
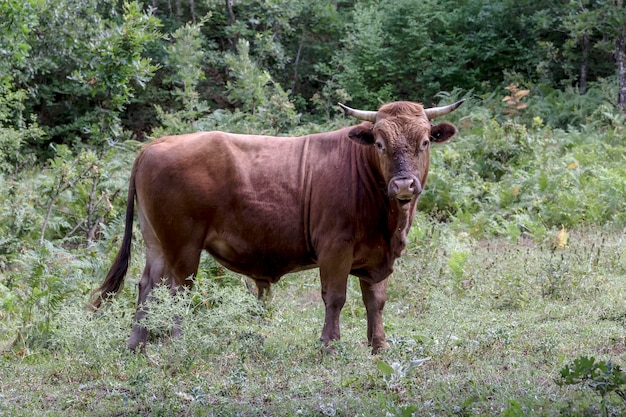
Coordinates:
177 145
216 141
198 137
217 135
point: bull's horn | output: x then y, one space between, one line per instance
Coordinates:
435 112
368 116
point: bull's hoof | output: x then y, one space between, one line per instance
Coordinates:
136 345
377 347
330 348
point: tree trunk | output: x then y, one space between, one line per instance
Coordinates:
296 77
231 21
620 56
582 82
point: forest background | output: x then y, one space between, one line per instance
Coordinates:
541 155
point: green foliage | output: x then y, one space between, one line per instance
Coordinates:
575 41
456 265
19 18
306 54
603 377
17 127
12 146
103 48
185 59
568 109
118 65
482 277
266 102
512 178
249 82
515 409
211 316
403 49
33 291
486 357
361 68
21 217
68 171
82 189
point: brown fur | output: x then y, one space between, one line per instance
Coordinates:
265 206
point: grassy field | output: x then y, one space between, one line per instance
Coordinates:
476 327
492 310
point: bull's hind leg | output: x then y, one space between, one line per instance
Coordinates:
263 290
182 265
152 274
176 272
374 297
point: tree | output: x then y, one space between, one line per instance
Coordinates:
581 25
607 21
414 50
117 68
617 24
185 59
317 31
19 20
257 93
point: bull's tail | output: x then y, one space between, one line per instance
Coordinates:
115 278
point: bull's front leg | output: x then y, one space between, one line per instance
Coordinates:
374 297
334 271
334 296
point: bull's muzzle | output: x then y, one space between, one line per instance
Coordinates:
404 188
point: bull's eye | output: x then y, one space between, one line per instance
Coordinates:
380 146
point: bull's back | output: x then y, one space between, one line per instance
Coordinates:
239 197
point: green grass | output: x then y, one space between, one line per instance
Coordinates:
483 310
495 320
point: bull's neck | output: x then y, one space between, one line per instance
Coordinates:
399 217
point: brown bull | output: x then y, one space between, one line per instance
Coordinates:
265 206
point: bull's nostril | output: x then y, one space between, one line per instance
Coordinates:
415 187
418 188
404 188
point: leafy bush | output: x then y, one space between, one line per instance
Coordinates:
603 377
509 178
38 284
212 316
185 58
263 102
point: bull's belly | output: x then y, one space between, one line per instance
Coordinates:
269 262
264 262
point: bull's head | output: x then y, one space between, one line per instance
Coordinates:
401 133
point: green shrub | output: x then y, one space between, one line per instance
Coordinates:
38 283
508 179
603 377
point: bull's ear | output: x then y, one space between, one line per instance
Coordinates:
363 133
442 132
